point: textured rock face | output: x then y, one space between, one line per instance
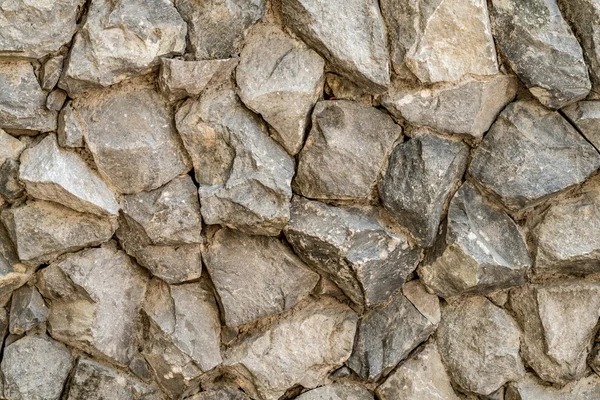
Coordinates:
219 394
531 388
27 310
585 115
337 391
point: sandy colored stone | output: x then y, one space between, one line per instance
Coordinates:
532 388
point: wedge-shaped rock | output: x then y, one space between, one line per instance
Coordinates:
299 349
51 71
421 176
95 296
182 335
440 41
121 39
70 127
483 250
10 147
559 324
386 336
345 152
337 391
281 79
35 367
216 28
51 173
221 394
255 276
352 38
479 343
541 48
13 274
532 388
42 230
421 377
131 135
585 115
464 108
530 154
27 310
354 247
244 175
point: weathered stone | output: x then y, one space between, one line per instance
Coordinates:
95 296
255 276
531 388
345 152
120 40
423 376
479 343
354 247
337 391
130 133
11 188
244 175
421 176
542 50
42 230
56 99
70 127
52 173
27 310
51 71
35 367
341 88
440 41
559 324
221 394
22 100
465 108
483 251
12 274
585 115
428 304
139 366
216 28
299 349
10 147
529 154
281 79
352 38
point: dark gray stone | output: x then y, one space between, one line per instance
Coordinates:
585 115
13 274
56 99
51 71
11 188
27 310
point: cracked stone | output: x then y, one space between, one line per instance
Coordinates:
337 391
27 310
585 115
70 127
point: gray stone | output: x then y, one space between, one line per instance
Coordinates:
255 276
27 310
559 324
337 391
70 127
216 28
421 176
221 394
541 48
10 147
42 230
345 152
440 41
466 108
530 154
35 367
532 388
13 274
281 79
423 376
95 296
51 71
120 40
244 175
428 304
130 132
483 250
56 99
11 188
585 115
352 38
52 173
299 349
479 343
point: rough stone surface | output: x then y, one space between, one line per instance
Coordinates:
10 147
13 274
27 310
345 151
337 391
585 115
220 394
51 71
56 99
70 127
531 388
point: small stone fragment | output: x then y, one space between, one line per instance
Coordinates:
345 152
51 71
337 391
56 99
428 304
11 188
541 48
341 88
12 274
27 310
585 115
10 147
281 79
70 127
532 388
352 38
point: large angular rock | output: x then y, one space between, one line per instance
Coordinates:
354 247
131 135
255 276
530 154
541 48
35 367
95 296
42 230
281 79
532 388
479 343
585 115
345 152
51 173
421 176
483 251
244 175
352 38
440 41
559 324
299 349
121 39
216 28
27 310
337 391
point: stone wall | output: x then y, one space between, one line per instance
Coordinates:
299 199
